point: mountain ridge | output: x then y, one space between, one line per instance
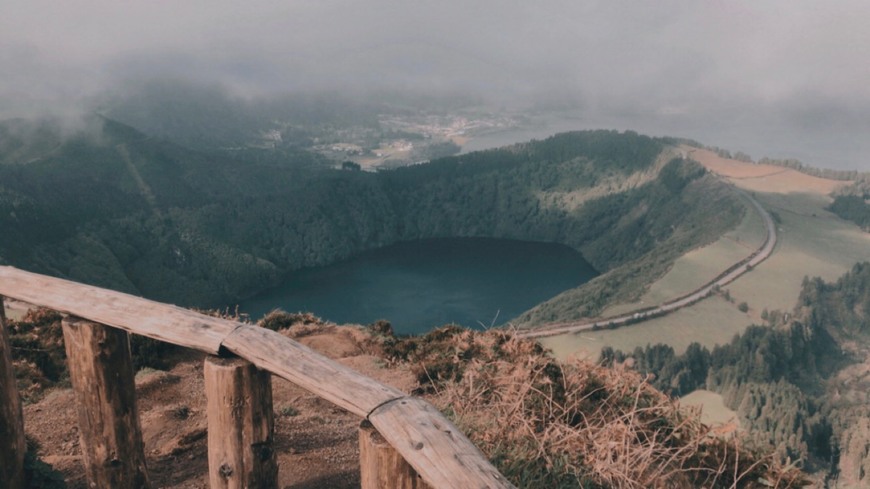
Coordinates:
211 228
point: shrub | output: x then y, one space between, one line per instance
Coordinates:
38 474
382 327
547 424
278 320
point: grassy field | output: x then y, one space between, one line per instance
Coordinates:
699 266
812 242
713 409
710 322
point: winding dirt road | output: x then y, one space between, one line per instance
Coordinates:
705 290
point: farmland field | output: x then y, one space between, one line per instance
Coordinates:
811 242
709 322
702 265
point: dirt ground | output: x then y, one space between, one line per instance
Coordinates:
315 441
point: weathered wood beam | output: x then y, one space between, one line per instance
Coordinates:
340 385
241 452
134 314
12 444
381 466
101 372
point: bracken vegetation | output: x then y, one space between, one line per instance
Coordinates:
547 424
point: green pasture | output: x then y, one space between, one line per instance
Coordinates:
812 242
710 322
702 265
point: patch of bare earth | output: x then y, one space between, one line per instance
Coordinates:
315 441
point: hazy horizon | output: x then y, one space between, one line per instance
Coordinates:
780 79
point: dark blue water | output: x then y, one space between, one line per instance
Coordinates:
422 284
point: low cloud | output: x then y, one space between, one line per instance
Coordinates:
724 69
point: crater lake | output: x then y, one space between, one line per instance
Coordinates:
418 285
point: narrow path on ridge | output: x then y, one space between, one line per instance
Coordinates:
702 292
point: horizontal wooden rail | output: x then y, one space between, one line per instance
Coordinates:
435 448
310 370
156 320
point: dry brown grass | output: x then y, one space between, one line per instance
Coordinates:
763 178
547 424
543 423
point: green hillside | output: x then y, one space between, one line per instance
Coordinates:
117 208
798 382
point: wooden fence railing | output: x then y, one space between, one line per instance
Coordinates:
404 441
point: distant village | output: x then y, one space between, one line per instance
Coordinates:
405 140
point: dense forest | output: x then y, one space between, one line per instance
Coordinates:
798 382
115 207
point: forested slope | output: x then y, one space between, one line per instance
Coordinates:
852 203
799 382
117 208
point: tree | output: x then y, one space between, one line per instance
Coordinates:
350 165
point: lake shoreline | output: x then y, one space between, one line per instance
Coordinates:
433 282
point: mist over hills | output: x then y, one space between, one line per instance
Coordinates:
198 210
200 154
210 116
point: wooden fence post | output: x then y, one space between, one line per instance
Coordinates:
381 466
240 425
101 372
12 444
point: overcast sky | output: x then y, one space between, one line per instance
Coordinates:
783 78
